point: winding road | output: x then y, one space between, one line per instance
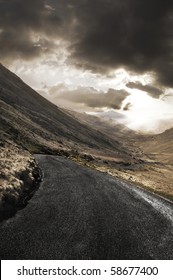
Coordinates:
80 213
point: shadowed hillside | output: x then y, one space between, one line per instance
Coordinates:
40 126
115 130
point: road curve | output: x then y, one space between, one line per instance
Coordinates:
79 213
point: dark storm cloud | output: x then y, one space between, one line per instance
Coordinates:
137 35
90 97
22 26
103 34
151 90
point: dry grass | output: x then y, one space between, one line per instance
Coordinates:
151 175
19 175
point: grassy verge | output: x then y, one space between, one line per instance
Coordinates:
15 198
136 177
19 177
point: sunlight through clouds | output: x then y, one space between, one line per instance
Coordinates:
146 113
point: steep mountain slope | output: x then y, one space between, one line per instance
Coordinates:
114 129
39 125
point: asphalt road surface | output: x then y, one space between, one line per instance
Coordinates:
79 213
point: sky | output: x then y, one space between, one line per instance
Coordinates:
96 56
